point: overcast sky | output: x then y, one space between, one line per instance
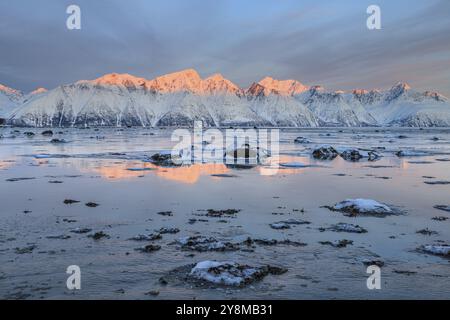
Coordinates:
315 42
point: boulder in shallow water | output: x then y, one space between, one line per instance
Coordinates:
203 244
325 153
47 133
347 227
358 154
231 273
368 207
437 249
302 140
165 159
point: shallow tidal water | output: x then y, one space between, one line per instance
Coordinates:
106 167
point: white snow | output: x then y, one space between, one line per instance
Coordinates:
230 275
182 97
437 249
363 206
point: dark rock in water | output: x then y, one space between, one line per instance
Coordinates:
165 213
286 224
149 248
47 133
420 162
302 140
272 242
373 262
91 204
356 155
443 159
58 141
152 293
81 230
149 237
440 182
325 153
98 235
426 232
436 249
405 272
29 134
440 218
224 175
165 160
244 152
27 249
346 227
70 201
220 213
337 244
55 181
410 153
230 273
19 179
351 155
295 222
168 230
442 207
60 237
402 137
204 244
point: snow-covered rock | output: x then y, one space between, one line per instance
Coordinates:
325 153
358 154
231 273
347 227
440 250
354 207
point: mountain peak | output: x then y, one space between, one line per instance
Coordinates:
185 80
282 87
39 90
9 91
398 90
402 86
117 79
218 84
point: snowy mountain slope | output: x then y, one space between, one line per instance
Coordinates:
402 106
269 86
9 99
336 108
179 98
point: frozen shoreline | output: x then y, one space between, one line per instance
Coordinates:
35 225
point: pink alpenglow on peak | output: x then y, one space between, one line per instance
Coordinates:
38 91
218 84
116 79
9 90
282 87
187 80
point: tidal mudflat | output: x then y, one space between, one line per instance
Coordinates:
139 230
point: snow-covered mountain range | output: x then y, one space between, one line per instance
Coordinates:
180 98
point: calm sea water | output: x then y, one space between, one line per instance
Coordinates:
94 166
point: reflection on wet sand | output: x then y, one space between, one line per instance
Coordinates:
130 170
6 163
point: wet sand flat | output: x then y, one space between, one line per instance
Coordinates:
82 202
